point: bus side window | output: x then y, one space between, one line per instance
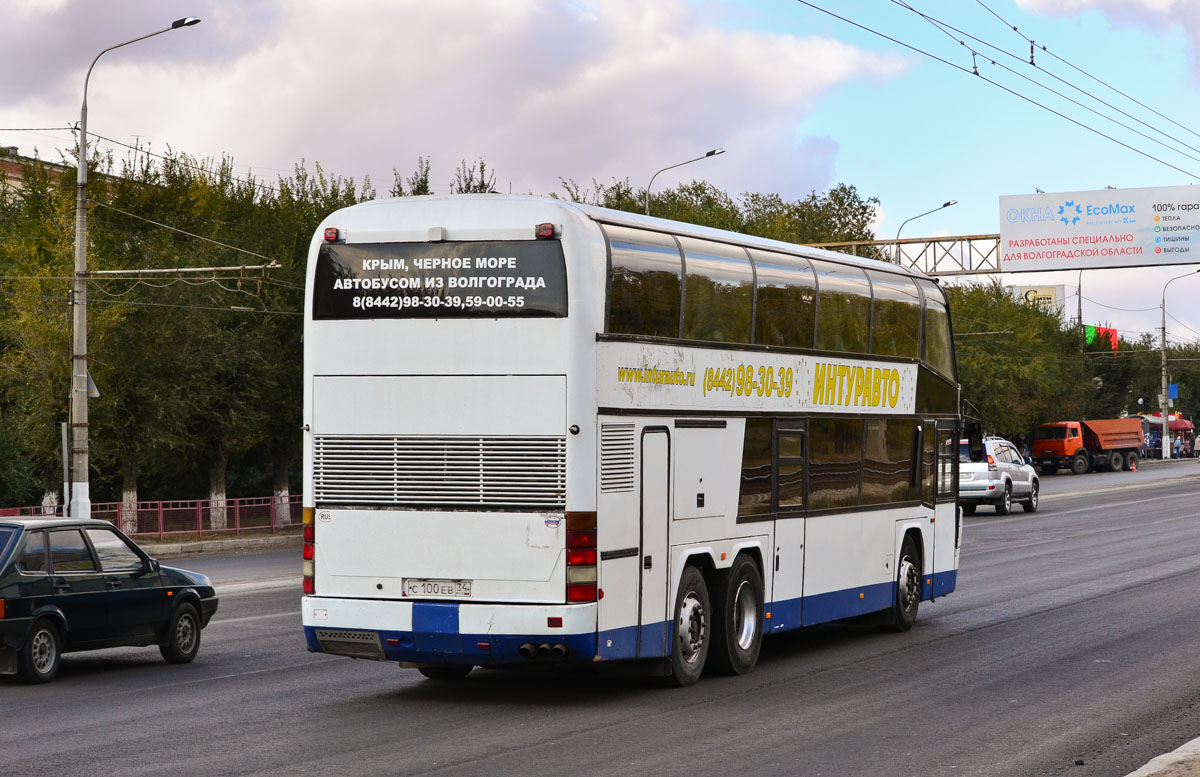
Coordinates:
928 465
644 285
834 462
896 315
887 461
785 306
948 461
790 468
720 292
938 352
757 482
843 308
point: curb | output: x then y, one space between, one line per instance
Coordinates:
176 549
1182 762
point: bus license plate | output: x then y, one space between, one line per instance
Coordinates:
459 589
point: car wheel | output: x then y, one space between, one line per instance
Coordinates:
183 635
1031 503
447 672
41 655
1079 464
693 629
968 509
1005 503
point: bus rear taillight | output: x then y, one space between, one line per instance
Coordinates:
581 557
331 234
307 565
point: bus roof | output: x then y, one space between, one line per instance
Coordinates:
636 220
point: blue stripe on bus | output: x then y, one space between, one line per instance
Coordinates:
435 637
426 647
790 614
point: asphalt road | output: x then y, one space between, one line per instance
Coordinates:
1072 637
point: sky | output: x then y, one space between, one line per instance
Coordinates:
605 90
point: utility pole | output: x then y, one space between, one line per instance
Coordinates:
1164 400
81 500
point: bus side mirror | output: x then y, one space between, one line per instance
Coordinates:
975 441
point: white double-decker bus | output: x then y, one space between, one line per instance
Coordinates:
541 432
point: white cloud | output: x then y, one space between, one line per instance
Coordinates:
537 88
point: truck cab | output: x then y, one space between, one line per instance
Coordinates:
1055 445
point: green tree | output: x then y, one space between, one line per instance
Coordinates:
1017 364
418 182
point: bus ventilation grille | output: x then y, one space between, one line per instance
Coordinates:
489 473
616 458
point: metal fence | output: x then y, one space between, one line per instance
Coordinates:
193 517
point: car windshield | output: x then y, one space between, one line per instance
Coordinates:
1051 433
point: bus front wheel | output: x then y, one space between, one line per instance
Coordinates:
693 628
737 618
908 588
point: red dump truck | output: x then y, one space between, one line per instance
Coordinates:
1110 444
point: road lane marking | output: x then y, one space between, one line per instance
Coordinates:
246 618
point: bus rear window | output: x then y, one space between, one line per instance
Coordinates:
475 279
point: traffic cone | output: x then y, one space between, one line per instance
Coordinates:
1133 466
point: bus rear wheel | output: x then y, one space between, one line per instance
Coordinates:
446 672
693 629
737 618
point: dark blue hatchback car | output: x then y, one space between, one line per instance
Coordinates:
68 585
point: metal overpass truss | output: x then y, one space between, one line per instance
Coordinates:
962 255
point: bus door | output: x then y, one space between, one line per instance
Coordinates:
653 619
787 581
945 509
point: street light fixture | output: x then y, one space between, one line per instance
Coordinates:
707 154
1163 399
81 503
919 215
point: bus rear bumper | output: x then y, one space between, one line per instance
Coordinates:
438 632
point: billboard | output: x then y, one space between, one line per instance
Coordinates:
1105 336
1106 228
1049 298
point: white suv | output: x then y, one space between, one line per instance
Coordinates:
1003 477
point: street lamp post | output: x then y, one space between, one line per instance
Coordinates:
707 154
81 503
919 215
1164 401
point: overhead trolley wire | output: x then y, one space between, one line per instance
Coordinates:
996 84
946 28
180 161
1033 44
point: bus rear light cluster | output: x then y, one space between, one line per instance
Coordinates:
308 564
331 234
544 231
581 557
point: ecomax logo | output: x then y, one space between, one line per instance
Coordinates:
1066 216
